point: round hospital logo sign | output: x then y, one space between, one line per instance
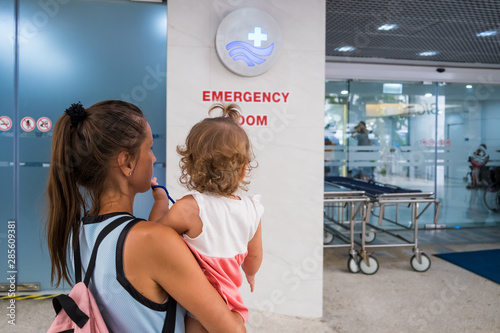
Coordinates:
248 42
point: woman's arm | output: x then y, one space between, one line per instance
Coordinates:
253 260
161 262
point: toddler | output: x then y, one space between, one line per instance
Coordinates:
222 228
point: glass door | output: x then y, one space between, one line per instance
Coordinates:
469 155
85 51
420 136
392 133
8 219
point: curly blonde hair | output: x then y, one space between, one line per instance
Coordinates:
216 153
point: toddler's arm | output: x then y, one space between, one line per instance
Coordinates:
184 217
160 206
252 261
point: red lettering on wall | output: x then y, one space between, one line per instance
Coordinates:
285 96
217 96
250 120
247 96
276 97
266 97
256 96
253 120
261 120
244 96
206 96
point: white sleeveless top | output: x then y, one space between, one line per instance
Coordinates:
123 308
221 248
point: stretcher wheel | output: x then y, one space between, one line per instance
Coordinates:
369 270
327 237
420 267
352 265
369 236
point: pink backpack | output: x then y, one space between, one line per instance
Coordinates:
78 311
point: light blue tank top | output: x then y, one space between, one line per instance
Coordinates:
123 308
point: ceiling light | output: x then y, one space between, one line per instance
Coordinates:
469 86
345 48
344 92
427 53
487 33
387 27
392 88
428 95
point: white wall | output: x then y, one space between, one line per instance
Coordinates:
289 150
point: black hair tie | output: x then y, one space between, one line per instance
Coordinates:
76 113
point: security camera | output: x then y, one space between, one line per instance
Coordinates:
440 70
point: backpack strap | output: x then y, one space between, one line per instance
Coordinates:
107 229
65 302
78 262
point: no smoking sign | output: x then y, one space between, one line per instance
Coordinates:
5 123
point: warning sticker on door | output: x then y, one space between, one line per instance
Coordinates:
28 124
5 123
44 124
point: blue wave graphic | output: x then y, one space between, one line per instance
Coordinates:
250 54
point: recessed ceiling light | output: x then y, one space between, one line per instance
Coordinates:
387 27
344 92
428 95
487 33
427 53
469 86
345 48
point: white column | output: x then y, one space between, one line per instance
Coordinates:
289 149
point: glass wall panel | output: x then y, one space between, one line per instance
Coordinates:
431 137
391 133
85 51
469 157
7 117
335 127
386 134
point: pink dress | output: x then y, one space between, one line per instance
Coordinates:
228 226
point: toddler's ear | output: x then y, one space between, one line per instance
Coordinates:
243 172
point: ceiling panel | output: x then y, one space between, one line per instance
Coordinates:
447 28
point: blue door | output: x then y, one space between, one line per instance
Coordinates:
68 51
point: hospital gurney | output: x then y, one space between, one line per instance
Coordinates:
341 208
382 196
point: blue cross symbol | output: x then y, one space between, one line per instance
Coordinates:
257 36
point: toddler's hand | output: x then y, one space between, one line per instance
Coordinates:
158 193
251 281
154 181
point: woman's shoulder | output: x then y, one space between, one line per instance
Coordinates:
154 234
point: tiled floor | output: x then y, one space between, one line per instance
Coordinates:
444 299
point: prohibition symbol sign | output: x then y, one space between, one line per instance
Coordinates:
5 123
44 124
28 124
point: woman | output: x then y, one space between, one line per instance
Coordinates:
101 158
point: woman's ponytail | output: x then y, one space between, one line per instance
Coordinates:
65 202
